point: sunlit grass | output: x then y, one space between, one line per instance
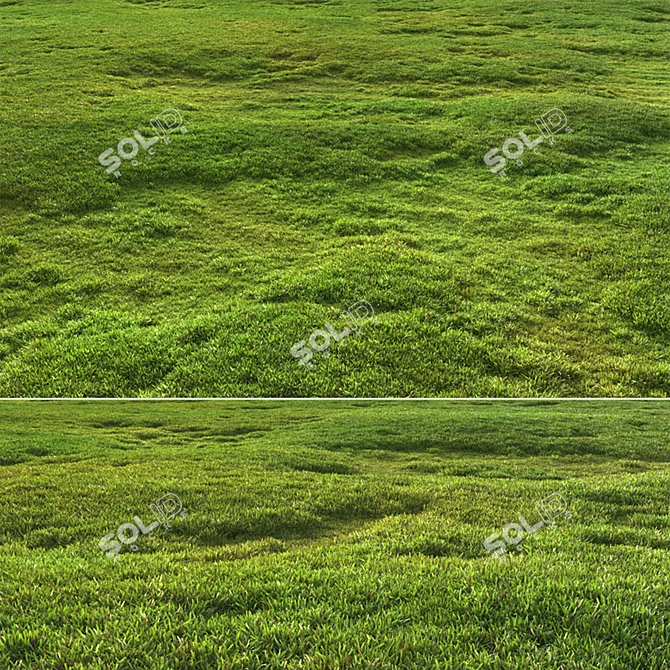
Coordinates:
335 153
334 535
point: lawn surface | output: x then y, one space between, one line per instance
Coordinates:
325 535
334 153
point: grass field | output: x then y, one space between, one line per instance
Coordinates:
324 535
334 153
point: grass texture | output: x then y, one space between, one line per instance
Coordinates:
325 536
334 153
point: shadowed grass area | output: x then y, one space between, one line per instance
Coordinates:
334 535
334 153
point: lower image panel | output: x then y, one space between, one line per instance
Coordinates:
334 534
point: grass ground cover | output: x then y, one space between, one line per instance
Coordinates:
334 535
334 153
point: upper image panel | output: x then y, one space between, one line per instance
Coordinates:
335 198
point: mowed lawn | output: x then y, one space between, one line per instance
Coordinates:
329 535
334 153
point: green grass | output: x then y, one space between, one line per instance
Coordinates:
331 535
335 153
